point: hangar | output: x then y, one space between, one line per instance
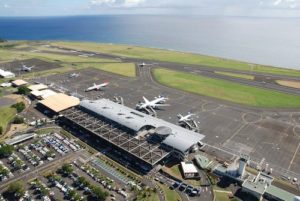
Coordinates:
148 138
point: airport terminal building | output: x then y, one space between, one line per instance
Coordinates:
148 139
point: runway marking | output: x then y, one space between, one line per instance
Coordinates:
234 134
251 122
295 130
294 156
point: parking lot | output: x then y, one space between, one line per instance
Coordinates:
30 155
77 185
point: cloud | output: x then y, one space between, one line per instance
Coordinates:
117 3
286 4
6 5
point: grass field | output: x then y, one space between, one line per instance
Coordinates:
151 196
237 75
125 69
170 195
10 55
173 56
6 115
69 62
222 196
226 90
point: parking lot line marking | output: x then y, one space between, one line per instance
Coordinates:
294 156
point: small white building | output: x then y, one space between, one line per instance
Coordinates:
37 87
18 83
6 84
43 94
189 170
6 74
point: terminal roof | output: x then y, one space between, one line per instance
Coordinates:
179 138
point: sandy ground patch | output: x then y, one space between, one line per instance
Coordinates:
288 83
14 128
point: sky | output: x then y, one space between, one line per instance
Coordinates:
247 8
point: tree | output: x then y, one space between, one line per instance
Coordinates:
4 171
19 106
67 169
82 181
18 120
1 129
23 90
99 193
16 189
6 150
71 193
44 191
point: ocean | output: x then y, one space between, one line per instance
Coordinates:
269 41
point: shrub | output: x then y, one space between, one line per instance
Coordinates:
23 90
6 150
16 189
19 106
18 120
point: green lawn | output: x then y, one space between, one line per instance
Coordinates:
151 196
176 172
43 131
125 69
222 196
69 62
237 75
51 57
173 56
170 195
226 90
6 115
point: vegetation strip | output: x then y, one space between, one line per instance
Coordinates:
226 90
236 75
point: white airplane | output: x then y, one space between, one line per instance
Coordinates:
184 118
97 87
74 75
157 102
144 64
26 68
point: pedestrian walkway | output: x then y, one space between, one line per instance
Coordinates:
103 166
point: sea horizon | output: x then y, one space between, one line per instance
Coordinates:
253 40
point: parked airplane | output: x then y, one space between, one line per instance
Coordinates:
97 87
26 68
73 75
157 102
184 118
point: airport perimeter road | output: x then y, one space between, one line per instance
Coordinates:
26 176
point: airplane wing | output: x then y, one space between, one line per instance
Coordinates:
163 105
145 99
